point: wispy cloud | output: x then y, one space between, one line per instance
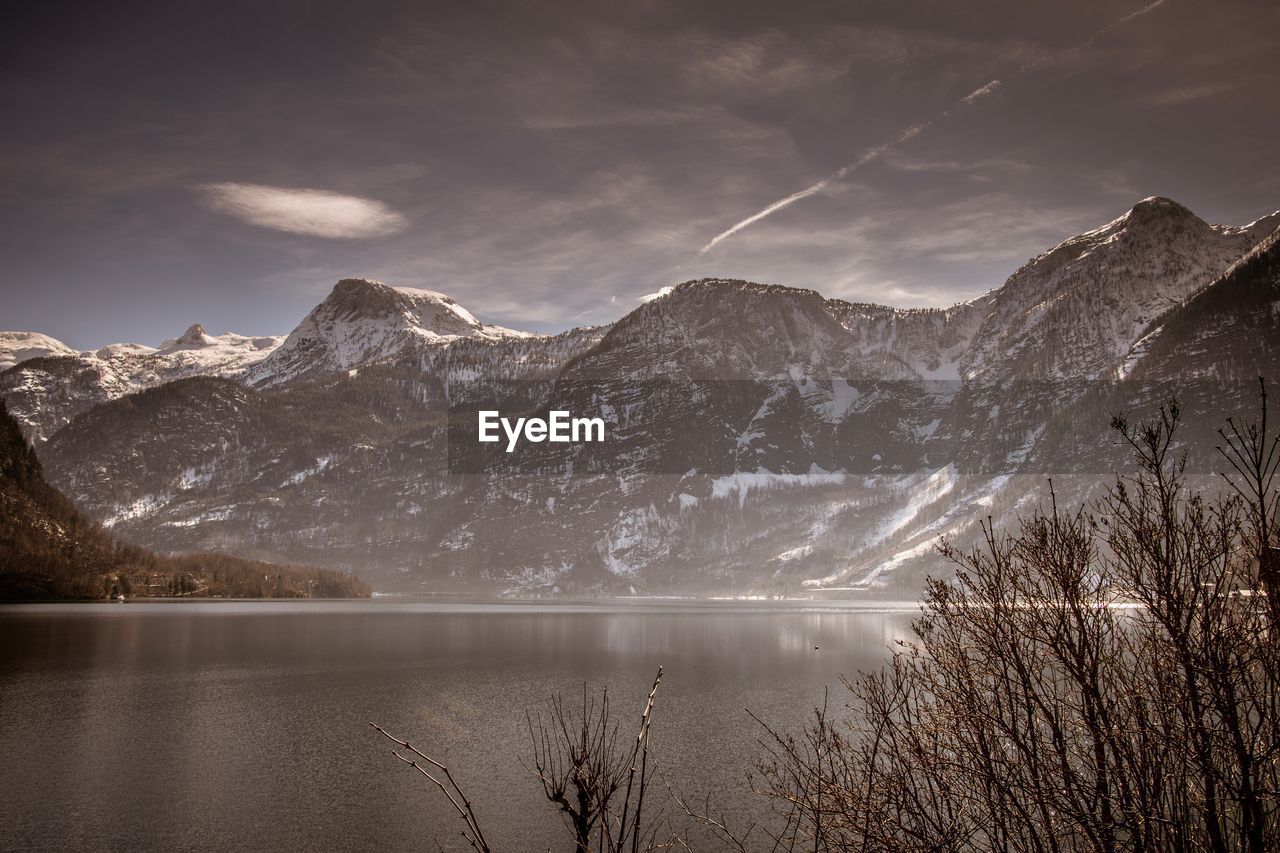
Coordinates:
316 213
1186 94
977 169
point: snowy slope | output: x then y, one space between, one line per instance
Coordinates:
194 353
21 346
44 395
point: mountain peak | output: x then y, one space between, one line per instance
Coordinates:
429 310
348 287
195 337
1086 301
1160 202
363 321
373 287
358 283
195 334
1158 207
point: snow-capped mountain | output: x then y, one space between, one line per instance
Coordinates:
760 438
193 353
45 390
364 321
361 322
23 346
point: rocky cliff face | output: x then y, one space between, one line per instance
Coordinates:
759 438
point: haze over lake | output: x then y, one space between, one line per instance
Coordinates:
167 726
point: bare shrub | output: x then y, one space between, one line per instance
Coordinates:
1099 680
595 778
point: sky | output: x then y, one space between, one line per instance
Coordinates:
549 163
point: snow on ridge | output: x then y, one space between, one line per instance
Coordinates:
111 351
420 292
17 347
297 477
128 367
921 541
363 321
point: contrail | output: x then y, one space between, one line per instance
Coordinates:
915 130
838 174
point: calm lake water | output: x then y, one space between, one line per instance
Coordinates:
244 726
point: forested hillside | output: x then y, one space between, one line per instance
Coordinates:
48 550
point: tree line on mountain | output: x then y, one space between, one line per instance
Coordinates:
48 550
1100 678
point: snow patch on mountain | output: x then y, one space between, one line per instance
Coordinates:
843 397
143 506
1136 352
742 483
936 486
307 473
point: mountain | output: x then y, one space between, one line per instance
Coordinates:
760 439
364 321
48 550
361 322
1077 309
45 391
194 353
1071 317
1207 351
16 347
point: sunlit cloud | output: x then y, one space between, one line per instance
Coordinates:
317 213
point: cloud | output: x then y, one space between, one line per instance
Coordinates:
317 213
1186 94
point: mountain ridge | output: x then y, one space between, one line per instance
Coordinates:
763 439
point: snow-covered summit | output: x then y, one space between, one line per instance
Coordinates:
193 353
111 351
16 347
228 347
194 336
363 321
46 396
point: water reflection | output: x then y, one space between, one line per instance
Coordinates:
215 726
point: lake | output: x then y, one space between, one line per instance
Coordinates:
244 725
